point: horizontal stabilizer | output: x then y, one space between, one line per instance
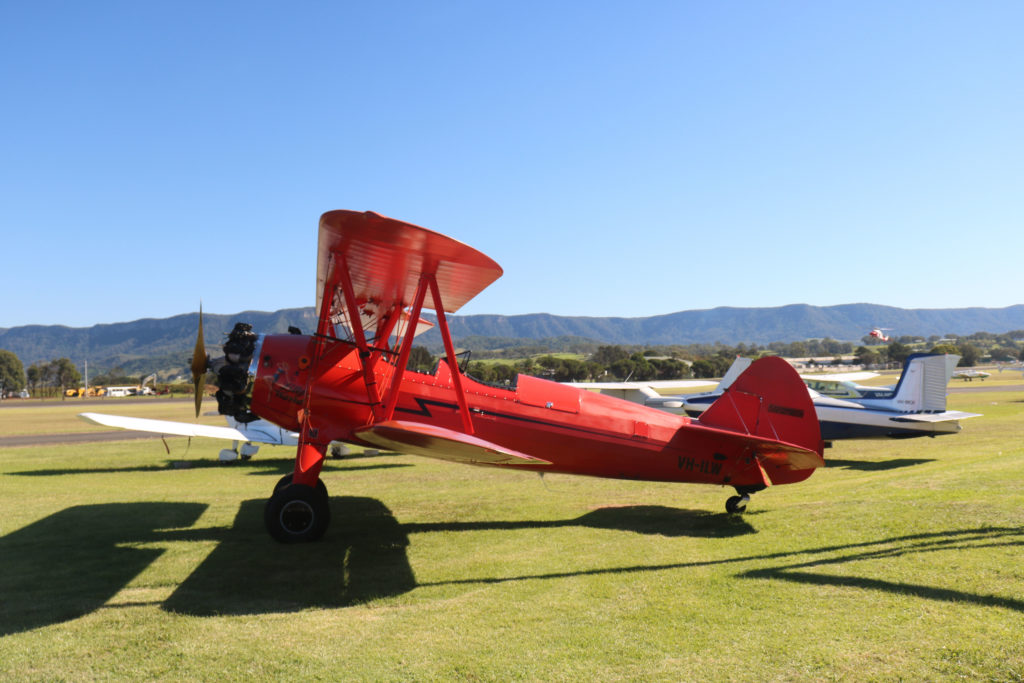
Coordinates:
437 442
786 455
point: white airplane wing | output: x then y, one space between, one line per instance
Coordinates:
257 432
641 392
841 376
946 416
653 384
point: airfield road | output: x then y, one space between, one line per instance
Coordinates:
80 437
48 422
981 386
42 402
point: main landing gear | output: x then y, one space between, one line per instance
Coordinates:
297 513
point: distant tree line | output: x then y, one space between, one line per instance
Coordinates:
571 359
46 380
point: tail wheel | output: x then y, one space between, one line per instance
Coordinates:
737 504
297 513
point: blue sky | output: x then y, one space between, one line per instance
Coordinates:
622 159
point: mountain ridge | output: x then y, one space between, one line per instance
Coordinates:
111 345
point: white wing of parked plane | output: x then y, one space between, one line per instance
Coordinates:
945 416
640 392
841 376
165 427
259 431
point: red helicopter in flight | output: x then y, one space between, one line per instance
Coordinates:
879 334
350 381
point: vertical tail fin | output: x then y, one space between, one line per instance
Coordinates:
735 370
770 401
922 386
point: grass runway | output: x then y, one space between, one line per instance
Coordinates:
899 560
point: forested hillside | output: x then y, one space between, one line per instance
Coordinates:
147 345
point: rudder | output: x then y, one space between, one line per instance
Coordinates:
768 400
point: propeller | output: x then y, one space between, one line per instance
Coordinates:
233 381
199 364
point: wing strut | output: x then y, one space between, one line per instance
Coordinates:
428 281
355 321
406 348
449 349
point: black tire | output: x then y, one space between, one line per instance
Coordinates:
286 480
297 514
735 505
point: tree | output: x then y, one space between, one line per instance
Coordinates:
65 374
709 367
945 348
420 360
12 373
670 368
606 355
897 352
969 354
1003 353
39 376
866 356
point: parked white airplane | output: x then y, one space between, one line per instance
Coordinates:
915 406
244 434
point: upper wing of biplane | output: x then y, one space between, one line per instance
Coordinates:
385 259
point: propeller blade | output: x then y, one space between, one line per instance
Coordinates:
199 364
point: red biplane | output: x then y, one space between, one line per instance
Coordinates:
349 381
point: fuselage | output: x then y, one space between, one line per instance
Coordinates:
576 431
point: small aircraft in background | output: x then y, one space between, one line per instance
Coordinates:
350 382
971 374
915 406
879 334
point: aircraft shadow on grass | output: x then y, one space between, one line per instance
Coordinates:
72 563
642 519
875 466
962 539
257 467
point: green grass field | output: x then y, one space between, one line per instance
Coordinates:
900 560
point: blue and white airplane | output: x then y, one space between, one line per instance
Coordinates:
915 406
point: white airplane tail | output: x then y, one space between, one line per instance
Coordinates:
734 371
922 386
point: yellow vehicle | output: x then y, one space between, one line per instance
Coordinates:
82 391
